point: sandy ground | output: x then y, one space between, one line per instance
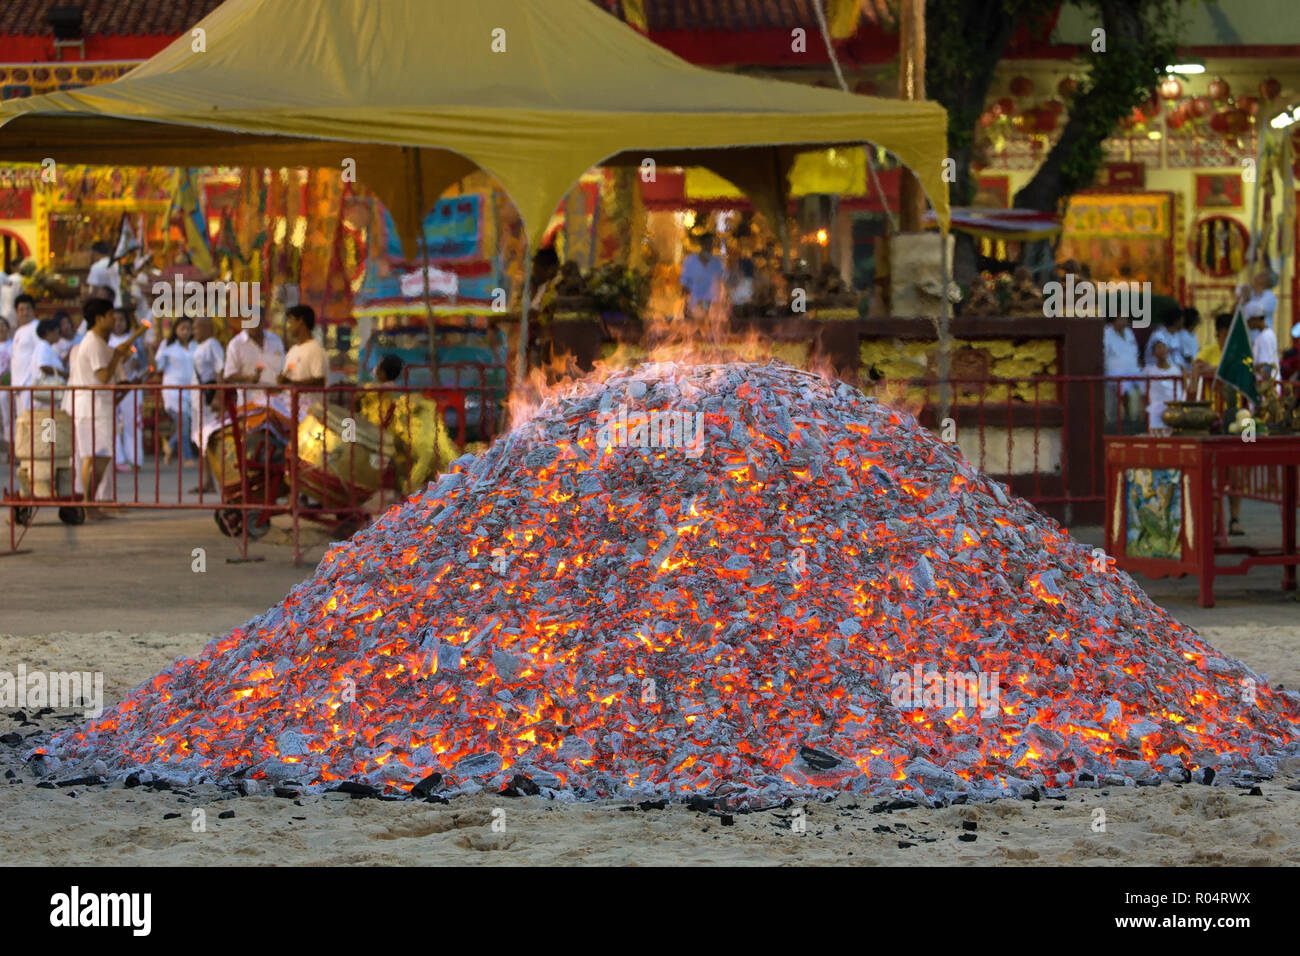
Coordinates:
1165 825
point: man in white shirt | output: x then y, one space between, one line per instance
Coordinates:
1121 361
1263 351
306 362
254 356
11 286
1261 302
105 279
20 361
94 363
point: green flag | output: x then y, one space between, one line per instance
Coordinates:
1237 368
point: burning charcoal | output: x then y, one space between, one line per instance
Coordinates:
79 782
448 657
631 622
817 759
521 786
479 765
357 790
427 785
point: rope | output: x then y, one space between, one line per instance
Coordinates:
819 8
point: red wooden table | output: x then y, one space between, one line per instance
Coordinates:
1192 472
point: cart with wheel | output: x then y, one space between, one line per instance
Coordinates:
43 464
246 455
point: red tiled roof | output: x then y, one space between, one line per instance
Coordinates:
107 17
739 15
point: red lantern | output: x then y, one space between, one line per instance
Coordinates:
986 120
1006 106
1175 119
1218 89
1022 86
1044 120
1151 106
1249 104
1170 88
1219 122
1200 106
1068 87
1269 89
1238 122
1056 106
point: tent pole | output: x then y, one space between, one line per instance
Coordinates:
521 360
945 330
418 174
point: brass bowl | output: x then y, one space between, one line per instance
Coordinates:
1189 418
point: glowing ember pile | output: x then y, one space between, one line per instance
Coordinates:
608 603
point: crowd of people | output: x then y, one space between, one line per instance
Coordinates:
1173 361
55 362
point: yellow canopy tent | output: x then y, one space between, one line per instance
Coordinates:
418 92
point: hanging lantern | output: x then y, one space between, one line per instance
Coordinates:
1022 86
1200 106
1218 89
1006 106
986 119
1219 122
1176 119
1237 121
1068 87
1151 105
1044 120
1171 88
1056 106
1249 104
1269 89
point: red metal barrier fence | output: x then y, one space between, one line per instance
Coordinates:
335 455
284 451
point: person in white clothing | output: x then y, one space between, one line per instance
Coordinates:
1263 351
306 362
24 345
254 356
105 278
48 372
1121 362
130 448
94 363
11 287
1163 389
1168 331
175 359
206 403
6 357
1258 300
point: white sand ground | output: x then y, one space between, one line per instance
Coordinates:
1166 825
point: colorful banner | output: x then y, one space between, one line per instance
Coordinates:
454 228
193 223
1121 236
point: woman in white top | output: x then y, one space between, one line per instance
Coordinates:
130 451
175 359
